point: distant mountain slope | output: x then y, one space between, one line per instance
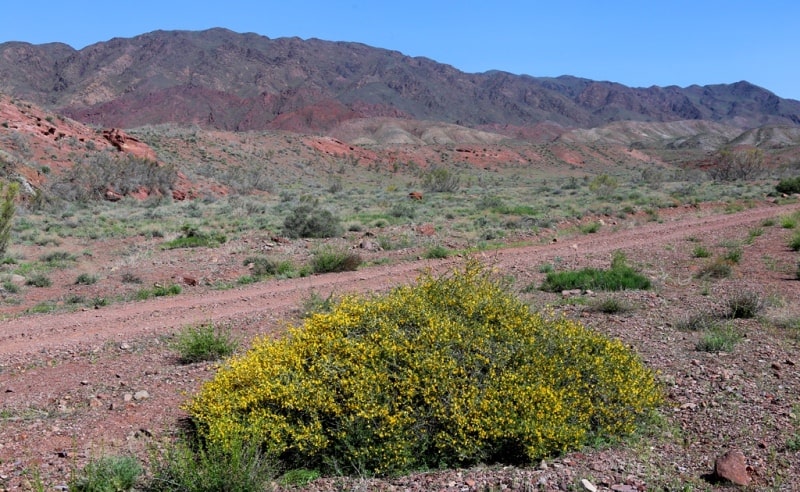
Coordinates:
225 80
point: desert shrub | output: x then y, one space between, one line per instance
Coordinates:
603 185
437 252
403 209
700 251
789 221
39 280
57 258
441 179
731 165
7 210
311 221
261 266
697 322
331 259
733 255
158 291
192 237
298 477
107 474
610 305
717 269
590 227
720 338
123 173
449 371
85 279
794 241
130 278
620 276
187 466
788 185
204 343
744 305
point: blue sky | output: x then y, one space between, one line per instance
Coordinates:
637 43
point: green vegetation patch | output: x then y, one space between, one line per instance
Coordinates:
194 238
620 276
107 474
450 371
204 343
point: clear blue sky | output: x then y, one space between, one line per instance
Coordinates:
637 43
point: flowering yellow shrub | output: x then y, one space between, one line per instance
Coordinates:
450 371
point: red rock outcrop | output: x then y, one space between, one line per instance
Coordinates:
130 145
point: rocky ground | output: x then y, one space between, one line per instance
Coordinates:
77 385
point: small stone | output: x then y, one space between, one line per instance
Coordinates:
127 397
141 395
732 466
588 485
124 346
84 383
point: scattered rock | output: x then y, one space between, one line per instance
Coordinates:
732 467
141 395
587 485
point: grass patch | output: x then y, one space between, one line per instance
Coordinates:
57 259
717 269
610 305
107 474
188 466
158 291
39 280
744 305
194 238
331 260
720 338
619 277
437 252
85 279
204 343
697 322
794 241
701 252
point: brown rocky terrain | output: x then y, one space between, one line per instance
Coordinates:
76 385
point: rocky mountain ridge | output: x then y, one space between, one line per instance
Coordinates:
224 80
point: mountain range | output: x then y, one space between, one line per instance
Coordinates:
219 79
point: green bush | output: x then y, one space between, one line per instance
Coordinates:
194 238
744 305
85 279
158 291
700 251
57 258
697 322
107 474
39 280
721 338
308 220
619 277
794 241
204 343
441 179
330 260
451 371
788 185
717 269
437 252
7 210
